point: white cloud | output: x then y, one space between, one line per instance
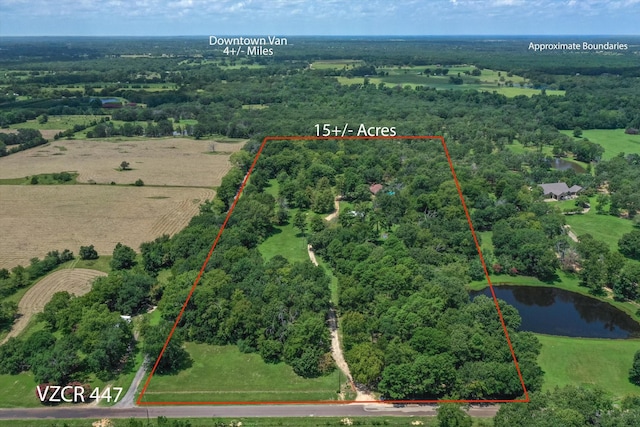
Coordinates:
410 16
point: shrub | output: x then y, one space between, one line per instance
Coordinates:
88 252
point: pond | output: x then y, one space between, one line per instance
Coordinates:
563 165
555 311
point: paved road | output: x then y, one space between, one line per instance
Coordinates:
352 410
128 401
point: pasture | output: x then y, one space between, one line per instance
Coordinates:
487 81
57 123
613 141
170 161
224 374
606 228
38 219
335 63
588 362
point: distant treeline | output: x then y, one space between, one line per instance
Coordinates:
21 140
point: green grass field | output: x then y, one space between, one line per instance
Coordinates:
224 374
613 141
510 92
335 63
486 240
287 240
488 81
100 264
19 391
57 122
588 362
606 228
42 179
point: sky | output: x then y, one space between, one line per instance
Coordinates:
317 17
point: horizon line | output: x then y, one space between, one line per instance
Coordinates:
312 35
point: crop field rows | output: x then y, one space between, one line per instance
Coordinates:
37 219
170 162
76 281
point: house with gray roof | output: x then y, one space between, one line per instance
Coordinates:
559 190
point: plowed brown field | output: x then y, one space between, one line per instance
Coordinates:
173 161
75 281
178 174
38 219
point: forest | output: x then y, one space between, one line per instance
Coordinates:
403 257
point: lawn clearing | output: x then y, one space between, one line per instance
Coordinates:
38 219
614 141
287 241
486 240
76 281
18 391
166 161
224 374
588 362
606 228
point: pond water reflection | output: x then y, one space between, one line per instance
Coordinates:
563 165
558 312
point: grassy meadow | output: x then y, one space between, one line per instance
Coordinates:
287 240
606 228
57 122
487 81
224 374
614 141
588 362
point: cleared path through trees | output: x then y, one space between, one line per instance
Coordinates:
336 348
75 281
334 214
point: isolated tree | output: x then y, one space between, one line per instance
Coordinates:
124 166
123 257
88 252
300 221
577 132
582 201
139 183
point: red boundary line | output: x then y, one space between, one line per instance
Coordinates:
334 402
